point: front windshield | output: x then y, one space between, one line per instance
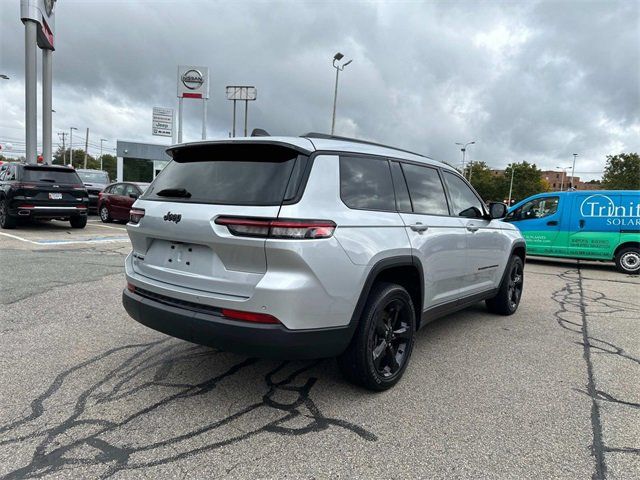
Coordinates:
94 177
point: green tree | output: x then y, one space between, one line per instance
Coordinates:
527 181
485 181
622 172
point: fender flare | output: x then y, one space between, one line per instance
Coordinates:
379 267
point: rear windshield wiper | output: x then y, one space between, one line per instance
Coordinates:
174 192
47 180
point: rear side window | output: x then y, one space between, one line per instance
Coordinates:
464 202
230 174
365 183
426 190
39 174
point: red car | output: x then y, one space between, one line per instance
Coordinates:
115 201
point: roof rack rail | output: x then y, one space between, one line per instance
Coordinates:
326 136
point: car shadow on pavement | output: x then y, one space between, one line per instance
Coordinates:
148 404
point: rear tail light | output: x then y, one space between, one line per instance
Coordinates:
135 215
278 228
249 316
26 185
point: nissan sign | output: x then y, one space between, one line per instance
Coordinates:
193 82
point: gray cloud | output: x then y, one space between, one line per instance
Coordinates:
531 81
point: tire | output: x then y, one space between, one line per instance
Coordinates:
6 220
628 260
387 327
508 298
105 216
78 221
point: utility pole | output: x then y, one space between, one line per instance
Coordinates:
86 148
64 149
573 171
71 129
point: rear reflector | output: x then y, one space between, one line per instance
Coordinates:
135 215
249 316
131 287
278 228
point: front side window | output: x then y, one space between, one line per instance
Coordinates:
365 183
464 202
131 190
426 190
537 208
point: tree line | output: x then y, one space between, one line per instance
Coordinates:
622 172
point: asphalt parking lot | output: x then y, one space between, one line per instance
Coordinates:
551 392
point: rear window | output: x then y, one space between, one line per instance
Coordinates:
230 174
94 177
39 174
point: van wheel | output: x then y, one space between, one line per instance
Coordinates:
6 220
78 221
381 346
508 298
628 260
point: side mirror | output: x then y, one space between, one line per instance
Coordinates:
497 210
134 195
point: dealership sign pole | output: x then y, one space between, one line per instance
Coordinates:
193 82
39 27
244 93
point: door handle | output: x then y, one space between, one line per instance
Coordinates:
418 227
473 228
581 223
552 222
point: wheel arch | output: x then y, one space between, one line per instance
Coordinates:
630 244
405 270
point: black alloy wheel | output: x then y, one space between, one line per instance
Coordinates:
380 349
391 337
516 282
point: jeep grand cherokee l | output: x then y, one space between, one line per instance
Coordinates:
315 246
42 191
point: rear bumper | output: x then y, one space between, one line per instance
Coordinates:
47 212
268 341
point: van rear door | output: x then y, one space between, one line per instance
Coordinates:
594 229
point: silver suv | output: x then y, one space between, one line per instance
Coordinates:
315 246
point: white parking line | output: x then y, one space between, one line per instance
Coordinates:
67 242
109 226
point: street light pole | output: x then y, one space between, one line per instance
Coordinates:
71 129
511 184
101 140
573 171
564 174
336 58
464 151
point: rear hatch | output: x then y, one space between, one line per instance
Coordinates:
178 242
42 186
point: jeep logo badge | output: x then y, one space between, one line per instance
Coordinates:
172 217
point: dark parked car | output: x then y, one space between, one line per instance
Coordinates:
95 181
115 201
42 191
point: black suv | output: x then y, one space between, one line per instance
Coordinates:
95 181
42 191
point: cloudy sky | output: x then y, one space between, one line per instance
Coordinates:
532 81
